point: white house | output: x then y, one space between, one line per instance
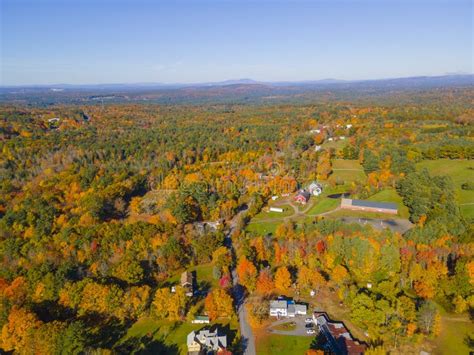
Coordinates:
315 189
287 308
278 308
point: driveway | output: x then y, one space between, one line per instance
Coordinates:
300 329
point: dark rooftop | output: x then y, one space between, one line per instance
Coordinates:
372 204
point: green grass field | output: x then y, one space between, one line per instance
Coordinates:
283 344
337 145
323 204
347 171
460 172
262 228
455 331
390 195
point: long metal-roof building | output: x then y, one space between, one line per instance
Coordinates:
371 206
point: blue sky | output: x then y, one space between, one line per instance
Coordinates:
125 41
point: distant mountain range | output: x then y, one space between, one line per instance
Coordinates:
230 91
417 80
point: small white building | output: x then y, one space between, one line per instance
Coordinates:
276 209
201 320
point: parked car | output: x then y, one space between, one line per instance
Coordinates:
311 331
308 320
309 325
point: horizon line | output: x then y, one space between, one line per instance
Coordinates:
251 81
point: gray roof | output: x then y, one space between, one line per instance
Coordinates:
209 339
373 204
278 304
300 307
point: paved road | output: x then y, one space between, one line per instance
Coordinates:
248 340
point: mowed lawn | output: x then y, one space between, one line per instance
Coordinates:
322 205
460 171
262 228
347 171
455 332
273 344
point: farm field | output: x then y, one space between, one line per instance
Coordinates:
347 171
460 171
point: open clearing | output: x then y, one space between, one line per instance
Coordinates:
460 171
347 171
456 330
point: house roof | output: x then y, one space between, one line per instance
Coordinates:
304 194
186 278
278 304
339 337
300 307
208 338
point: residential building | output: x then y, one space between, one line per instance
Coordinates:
302 197
187 282
206 342
287 308
338 337
278 308
315 189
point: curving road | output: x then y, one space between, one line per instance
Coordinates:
238 291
